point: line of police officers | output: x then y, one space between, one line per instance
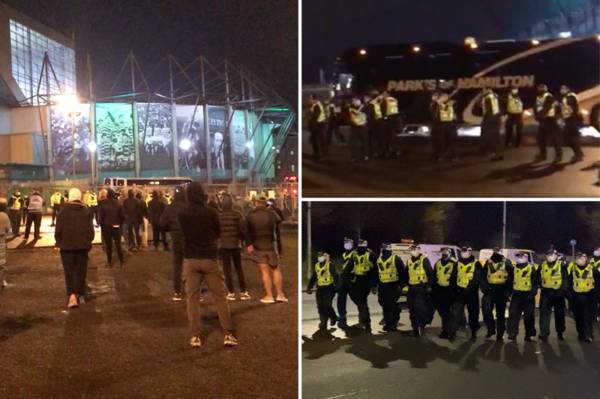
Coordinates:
375 120
452 285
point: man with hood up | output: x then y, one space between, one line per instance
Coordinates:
170 223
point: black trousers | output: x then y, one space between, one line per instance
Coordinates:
377 133
112 235
418 306
15 220
470 299
75 267
94 213
177 247
584 307
342 298
495 298
158 235
444 299
317 140
388 294
359 292
358 143
490 135
444 140
333 128
571 135
552 300
133 233
521 303
514 123
548 129
325 303
392 128
34 218
55 210
229 256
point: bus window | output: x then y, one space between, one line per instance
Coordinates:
108 181
120 182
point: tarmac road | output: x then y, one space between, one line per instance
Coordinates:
131 340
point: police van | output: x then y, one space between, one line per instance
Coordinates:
509 253
433 252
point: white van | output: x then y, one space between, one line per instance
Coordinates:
509 253
431 251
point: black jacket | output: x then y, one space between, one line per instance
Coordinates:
233 229
168 219
74 228
201 228
155 210
132 208
110 213
261 229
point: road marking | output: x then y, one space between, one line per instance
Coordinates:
345 395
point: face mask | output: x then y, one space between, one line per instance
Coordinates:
415 253
521 260
581 261
597 252
551 258
321 259
445 256
514 91
465 255
348 246
386 253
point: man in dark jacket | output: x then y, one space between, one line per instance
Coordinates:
261 244
280 218
156 207
74 234
132 210
200 227
170 223
232 233
496 280
111 218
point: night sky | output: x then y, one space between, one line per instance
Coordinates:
532 225
261 35
330 27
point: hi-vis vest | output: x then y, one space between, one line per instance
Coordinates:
447 112
347 257
514 105
322 116
362 264
55 199
387 269
357 118
522 280
494 100
91 200
376 109
539 105
496 272
566 109
391 106
16 205
465 274
324 277
443 272
583 279
551 275
416 272
595 263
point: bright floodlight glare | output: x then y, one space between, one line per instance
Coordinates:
535 42
185 144
416 49
92 146
598 37
565 35
249 144
362 51
473 46
66 101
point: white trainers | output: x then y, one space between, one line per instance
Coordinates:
177 297
72 302
230 296
196 342
230 340
282 299
267 300
245 296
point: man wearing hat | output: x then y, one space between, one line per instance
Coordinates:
325 277
344 282
584 280
496 283
419 276
546 115
443 292
467 289
390 273
553 275
522 302
363 279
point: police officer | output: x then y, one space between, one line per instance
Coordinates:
344 282
419 276
14 212
317 119
434 114
514 117
445 139
490 125
496 283
55 201
334 111
554 280
595 261
391 115
390 270
376 126
524 289
92 202
443 292
363 280
358 132
584 280
325 277
545 113
569 108
467 288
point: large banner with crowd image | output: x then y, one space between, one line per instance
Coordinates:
70 133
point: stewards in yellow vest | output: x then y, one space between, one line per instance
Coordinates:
444 136
15 203
390 272
343 288
514 118
376 126
570 114
419 276
363 279
391 115
325 278
490 125
553 278
358 132
584 280
545 113
443 293
525 286
317 125
55 200
496 284
468 270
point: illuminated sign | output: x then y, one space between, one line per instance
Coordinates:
495 82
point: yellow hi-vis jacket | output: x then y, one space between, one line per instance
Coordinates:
514 105
522 278
323 271
466 272
447 112
551 275
387 269
583 279
391 106
443 273
362 264
416 271
322 116
496 273
539 105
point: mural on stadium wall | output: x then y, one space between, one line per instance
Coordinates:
243 153
219 140
68 130
155 136
190 133
114 134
